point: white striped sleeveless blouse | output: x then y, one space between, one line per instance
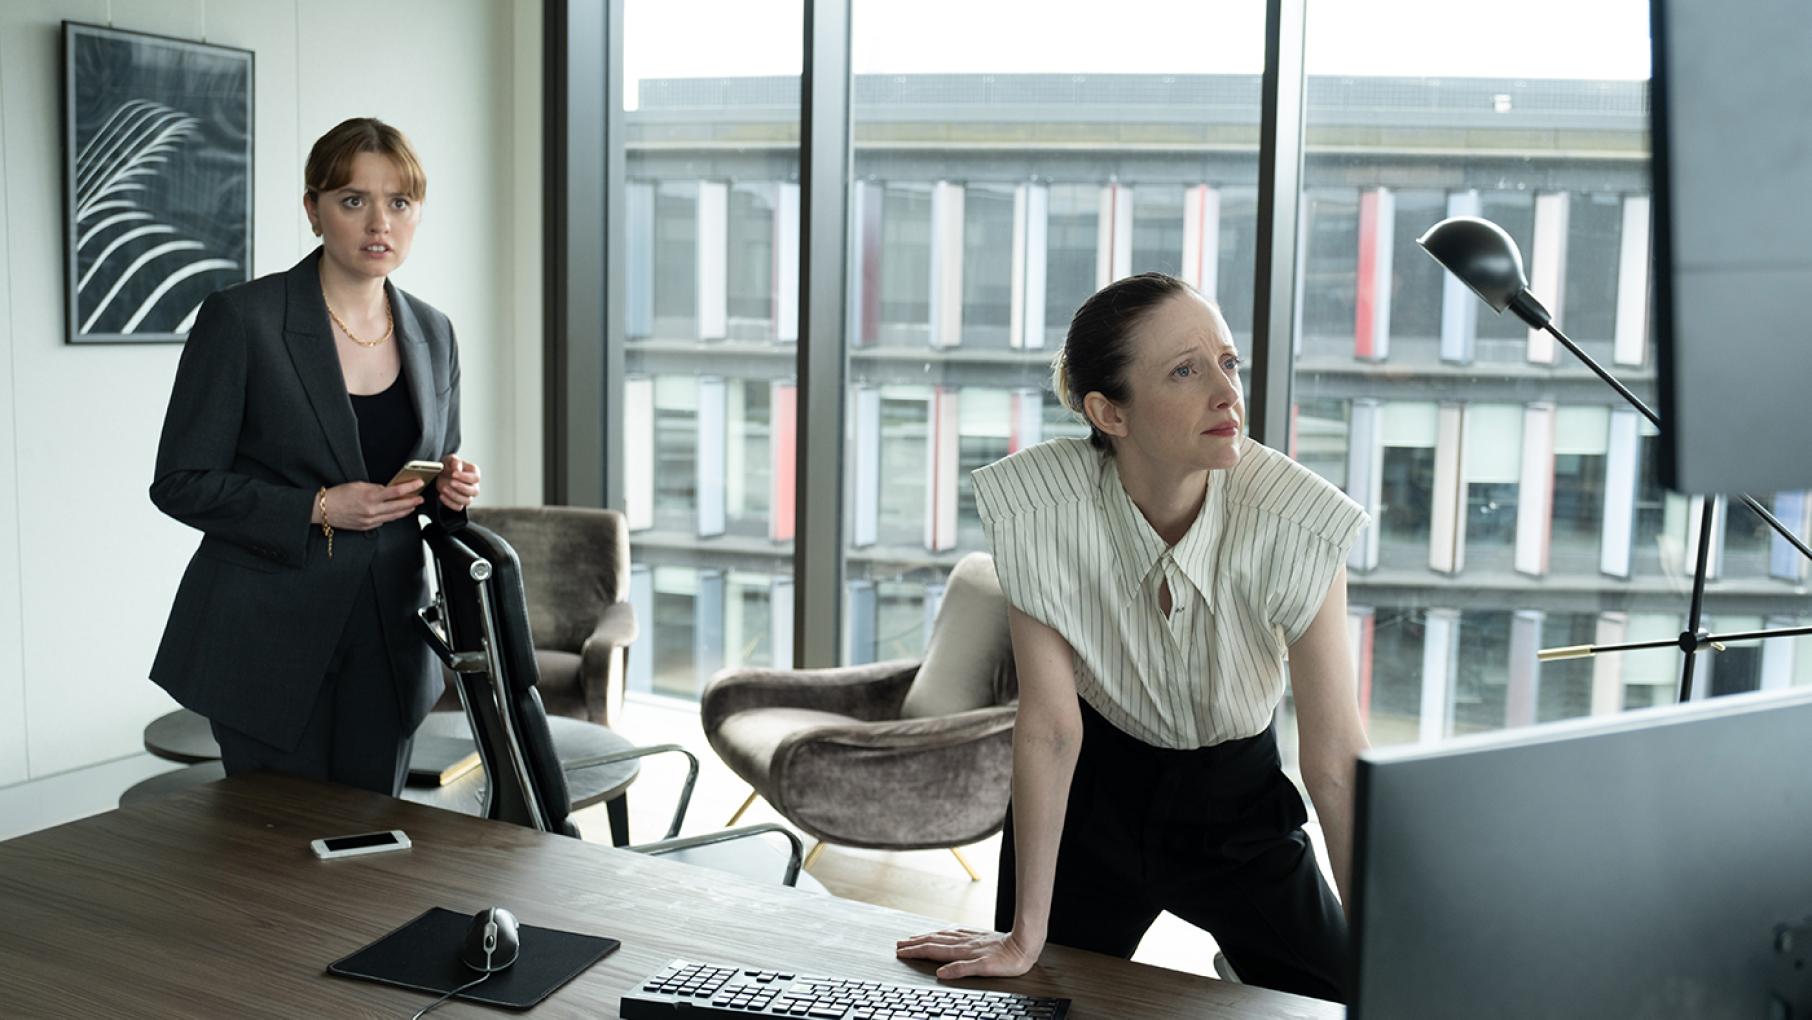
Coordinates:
1074 553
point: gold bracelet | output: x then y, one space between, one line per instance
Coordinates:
326 528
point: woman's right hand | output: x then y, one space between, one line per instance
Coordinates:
361 506
967 953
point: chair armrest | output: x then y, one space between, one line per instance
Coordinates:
601 689
795 848
870 692
616 627
685 797
899 785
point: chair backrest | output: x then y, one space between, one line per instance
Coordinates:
485 615
575 563
969 659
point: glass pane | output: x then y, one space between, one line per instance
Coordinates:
995 188
711 316
1514 498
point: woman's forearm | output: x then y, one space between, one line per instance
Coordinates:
1330 784
1045 745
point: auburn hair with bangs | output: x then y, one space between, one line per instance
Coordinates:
330 161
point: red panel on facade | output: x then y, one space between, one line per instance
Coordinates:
783 440
1364 343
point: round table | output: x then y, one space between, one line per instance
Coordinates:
183 736
573 739
464 795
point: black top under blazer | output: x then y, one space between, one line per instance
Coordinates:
259 420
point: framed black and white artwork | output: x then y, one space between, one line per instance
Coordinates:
157 181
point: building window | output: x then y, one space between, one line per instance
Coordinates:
1070 266
906 263
987 265
676 257
751 262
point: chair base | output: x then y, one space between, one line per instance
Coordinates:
818 847
964 861
739 811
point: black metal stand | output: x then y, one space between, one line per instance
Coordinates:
1694 638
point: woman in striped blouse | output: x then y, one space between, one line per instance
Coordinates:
1159 572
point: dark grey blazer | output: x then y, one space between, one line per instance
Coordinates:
259 420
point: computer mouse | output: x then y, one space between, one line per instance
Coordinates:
492 942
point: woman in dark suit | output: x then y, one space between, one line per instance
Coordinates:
298 397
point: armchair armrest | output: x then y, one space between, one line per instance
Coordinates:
905 734
899 785
870 692
601 665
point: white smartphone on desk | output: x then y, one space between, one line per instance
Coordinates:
335 847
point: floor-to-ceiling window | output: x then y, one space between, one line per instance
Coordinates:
1515 500
1511 501
994 189
710 319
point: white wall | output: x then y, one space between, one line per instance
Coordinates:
87 565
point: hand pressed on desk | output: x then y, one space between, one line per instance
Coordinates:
965 952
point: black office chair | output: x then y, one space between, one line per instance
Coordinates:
478 625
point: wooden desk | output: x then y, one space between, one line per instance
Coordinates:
209 904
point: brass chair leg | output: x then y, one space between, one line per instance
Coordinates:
810 857
964 861
740 810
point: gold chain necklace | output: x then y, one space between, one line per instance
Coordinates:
389 324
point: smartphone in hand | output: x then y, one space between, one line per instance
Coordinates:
426 470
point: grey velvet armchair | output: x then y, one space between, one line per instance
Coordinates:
575 567
902 755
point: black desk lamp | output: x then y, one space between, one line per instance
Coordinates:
1484 257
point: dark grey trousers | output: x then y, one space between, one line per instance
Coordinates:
355 732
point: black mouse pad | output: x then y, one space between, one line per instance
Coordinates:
424 955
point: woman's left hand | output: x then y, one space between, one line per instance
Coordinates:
457 484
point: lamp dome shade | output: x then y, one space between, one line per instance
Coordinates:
1481 254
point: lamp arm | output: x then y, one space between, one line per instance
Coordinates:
1714 640
1756 635
1654 419
1692 638
1609 379
1587 651
1775 523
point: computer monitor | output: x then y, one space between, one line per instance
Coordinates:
1626 866
1732 136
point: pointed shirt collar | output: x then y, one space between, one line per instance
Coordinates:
1139 549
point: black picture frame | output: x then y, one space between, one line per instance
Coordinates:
157 181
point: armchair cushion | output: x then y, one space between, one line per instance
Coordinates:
895 755
969 660
575 565
562 693
575 571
